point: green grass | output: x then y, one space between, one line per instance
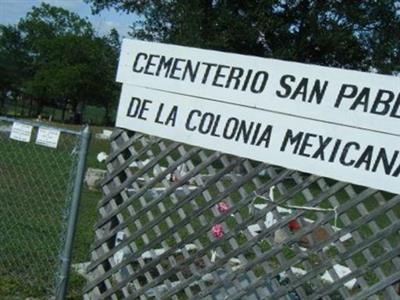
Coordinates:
33 181
32 192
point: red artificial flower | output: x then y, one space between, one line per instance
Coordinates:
217 231
223 207
294 225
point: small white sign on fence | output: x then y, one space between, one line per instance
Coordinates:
48 137
21 132
336 123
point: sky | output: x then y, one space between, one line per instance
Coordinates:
11 11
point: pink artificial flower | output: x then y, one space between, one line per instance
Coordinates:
223 207
217 231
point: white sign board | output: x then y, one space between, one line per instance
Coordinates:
48 137
21 132
335 123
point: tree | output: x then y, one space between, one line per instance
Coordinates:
67 65
55 39
353 34
14 62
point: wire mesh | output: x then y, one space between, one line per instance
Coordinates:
36 184
181 222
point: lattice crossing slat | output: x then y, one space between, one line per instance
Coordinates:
198 224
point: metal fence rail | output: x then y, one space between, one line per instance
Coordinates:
39 192
180 222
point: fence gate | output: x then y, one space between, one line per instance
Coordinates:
180 222
41 170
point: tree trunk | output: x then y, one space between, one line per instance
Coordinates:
15 107
30 107
77 109
39 108
2 103
64 108
206 22
22 107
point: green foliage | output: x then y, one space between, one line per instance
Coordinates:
353 34
57 60
14 60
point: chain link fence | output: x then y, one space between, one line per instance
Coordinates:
39 189
182 222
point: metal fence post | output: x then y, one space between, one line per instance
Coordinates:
73 216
